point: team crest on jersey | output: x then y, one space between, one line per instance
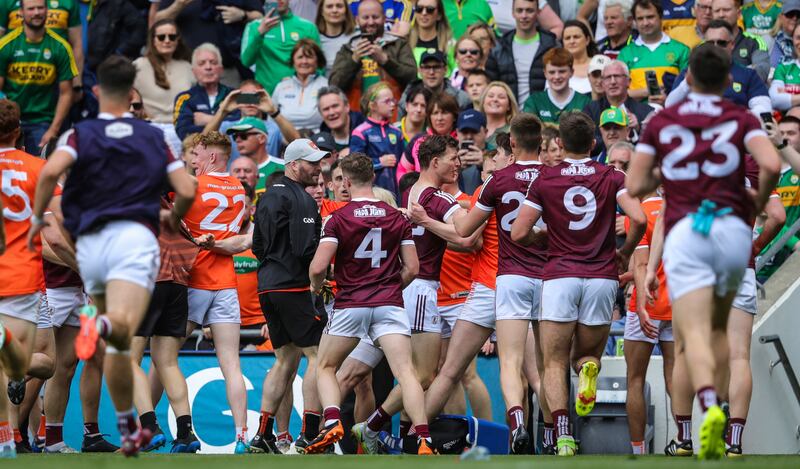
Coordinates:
47 54
670 56
794 178
742 53
295 35
526 175
393 139
53 4
737 87
369 211
578 170
119 130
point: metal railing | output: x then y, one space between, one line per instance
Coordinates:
783 359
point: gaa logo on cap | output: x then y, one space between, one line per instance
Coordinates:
313 145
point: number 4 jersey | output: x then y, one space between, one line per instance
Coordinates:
578 201
699 144
218 209
368 234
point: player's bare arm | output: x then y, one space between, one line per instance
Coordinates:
633 210
61 248
474 219
2 232
185 187
656 252
230 246
769 167
640 257
447 230
58 163
642 177
523 230
408 254
319 265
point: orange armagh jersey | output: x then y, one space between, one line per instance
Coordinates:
20 270
218 209
455 279
661 309
246 267
329 206
484 269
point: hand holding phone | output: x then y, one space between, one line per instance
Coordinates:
653 89
247 98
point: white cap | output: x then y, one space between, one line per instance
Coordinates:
598 63
303 149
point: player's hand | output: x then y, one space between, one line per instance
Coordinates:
231 14
207 333
388 160
417 214
620 225
205 241
265 332
49 135
646 325
268 22
33 232
651 282
488 347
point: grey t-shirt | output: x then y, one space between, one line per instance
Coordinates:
524 52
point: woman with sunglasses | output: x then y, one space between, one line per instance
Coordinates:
429 29
499 106
296 96
376 137
484 34
578 41
469 56
336 25
162 73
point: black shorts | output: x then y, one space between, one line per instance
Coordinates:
168 312
292 318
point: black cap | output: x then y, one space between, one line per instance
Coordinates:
324 141
433 54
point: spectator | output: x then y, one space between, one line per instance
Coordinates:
413 123
517 60
44 99
376 137
558 95
614 126
195 107
250 135
549 19
476 82
784 91
499 106
325 142
137 106
783 49
760 17
550 153
484 34
430 29
442 116
749 50
469 57
162 73
296 96
337 118
619 155
220 22
365 61
693 34
653 51
746 89
596 66
433 70
398 15
117 27
471 130
245 170
336 25
578 41
306 9
619 27
463 13
268 44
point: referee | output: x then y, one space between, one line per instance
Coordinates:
285 237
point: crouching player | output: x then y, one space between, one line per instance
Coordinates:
376 259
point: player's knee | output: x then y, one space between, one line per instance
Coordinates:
363 387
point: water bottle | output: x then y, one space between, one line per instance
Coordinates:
477 453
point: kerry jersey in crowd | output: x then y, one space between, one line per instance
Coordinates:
61 15
32 71
758 20
369 235
430 248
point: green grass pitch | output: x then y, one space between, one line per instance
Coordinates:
165 461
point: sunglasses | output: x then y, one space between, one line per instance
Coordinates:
474 52
163 37
720 42
243 135
422 9
137 106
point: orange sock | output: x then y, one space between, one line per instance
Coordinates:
42 427
6 435
17 436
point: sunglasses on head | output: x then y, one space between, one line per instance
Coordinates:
137 106
469 51
428 10
163 37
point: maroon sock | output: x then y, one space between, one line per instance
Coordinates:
422 431
516 417
707 397
378 419
561 423
405 427
53 434
126 423
684 423
331 413
91 429
735 430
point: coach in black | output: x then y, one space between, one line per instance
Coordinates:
287 228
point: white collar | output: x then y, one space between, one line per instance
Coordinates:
581 161
694 96
528 162
216 173
364 199
108 116
640 42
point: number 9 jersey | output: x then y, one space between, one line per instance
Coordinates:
218 209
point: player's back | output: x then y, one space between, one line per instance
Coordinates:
430 248
369 234
20 269
218 209
578 201
699 144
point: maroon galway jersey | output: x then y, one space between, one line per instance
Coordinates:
578 201
430 248
368 234
699 144
59 276
504 192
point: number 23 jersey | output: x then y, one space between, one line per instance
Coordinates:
218 209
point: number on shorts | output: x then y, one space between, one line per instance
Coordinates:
586 211
208 223
370 248
9 189
721 145
508 219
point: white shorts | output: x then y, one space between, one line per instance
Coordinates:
633 330
367 353
374 322
25 307
449 314
479 307
693 261
214 306
419 298
65 303
590 301
518 297
45 320
121 250
746 297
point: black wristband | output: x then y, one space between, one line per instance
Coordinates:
275 114
782 145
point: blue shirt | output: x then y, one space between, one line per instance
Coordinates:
746 85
